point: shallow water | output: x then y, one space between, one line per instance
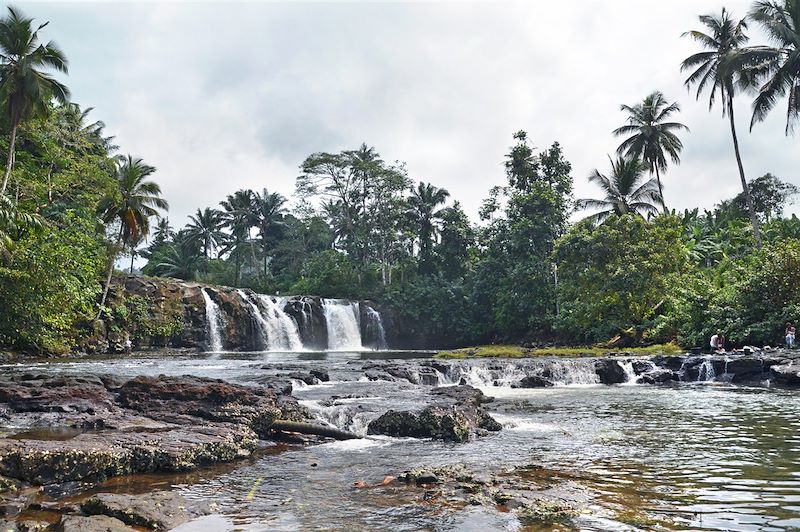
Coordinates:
710 456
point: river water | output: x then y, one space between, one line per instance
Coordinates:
704 456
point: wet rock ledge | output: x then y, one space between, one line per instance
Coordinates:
76 429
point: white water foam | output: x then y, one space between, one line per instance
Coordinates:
213 323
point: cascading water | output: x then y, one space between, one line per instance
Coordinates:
706 373
344 331
374 328
284 333
560 372
213 323
630 372
278 331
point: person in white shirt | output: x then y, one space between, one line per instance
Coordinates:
717 342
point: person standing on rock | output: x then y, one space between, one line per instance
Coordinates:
128 345
789 335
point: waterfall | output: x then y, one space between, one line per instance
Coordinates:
284 335
374 328
213 323
563 372
278 330
706 372
344 331
630 372
580 372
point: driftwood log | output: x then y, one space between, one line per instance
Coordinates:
309 428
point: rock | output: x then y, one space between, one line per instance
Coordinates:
88 429
455 414
161 510
668 362
659 377
511 492
307 378
609 371
748 368
786 374
95 523
321 375
532 381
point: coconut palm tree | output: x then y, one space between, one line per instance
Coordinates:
237 214
205 227
182 258
26 88
651 135
423 213
134 203
625 191
268 211
778 66
718 68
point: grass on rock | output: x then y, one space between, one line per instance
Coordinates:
516 351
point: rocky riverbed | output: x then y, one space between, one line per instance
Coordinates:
68 430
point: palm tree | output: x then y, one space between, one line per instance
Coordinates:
238 217
26 89
268 211
625 192
204 226
182 258
652 136
423 213
779 66
716 68
133 204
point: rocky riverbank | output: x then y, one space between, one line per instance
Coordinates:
64 435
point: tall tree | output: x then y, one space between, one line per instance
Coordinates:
269 209
625 191
718 68
651 135
205 227
779 66
238 217
424 213
134 203
25 86
360 194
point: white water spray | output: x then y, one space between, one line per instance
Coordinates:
278 331
213 323
342 321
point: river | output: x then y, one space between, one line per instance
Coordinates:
708 456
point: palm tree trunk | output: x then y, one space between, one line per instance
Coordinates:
10 161
108 277
748 198
661 190
133 255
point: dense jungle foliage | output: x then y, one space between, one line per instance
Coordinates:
633 271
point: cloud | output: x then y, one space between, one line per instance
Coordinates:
225 96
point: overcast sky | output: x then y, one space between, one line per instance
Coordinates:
226 96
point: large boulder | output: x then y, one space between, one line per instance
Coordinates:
455 414
786 374
609 371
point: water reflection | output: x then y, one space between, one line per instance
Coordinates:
691 456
